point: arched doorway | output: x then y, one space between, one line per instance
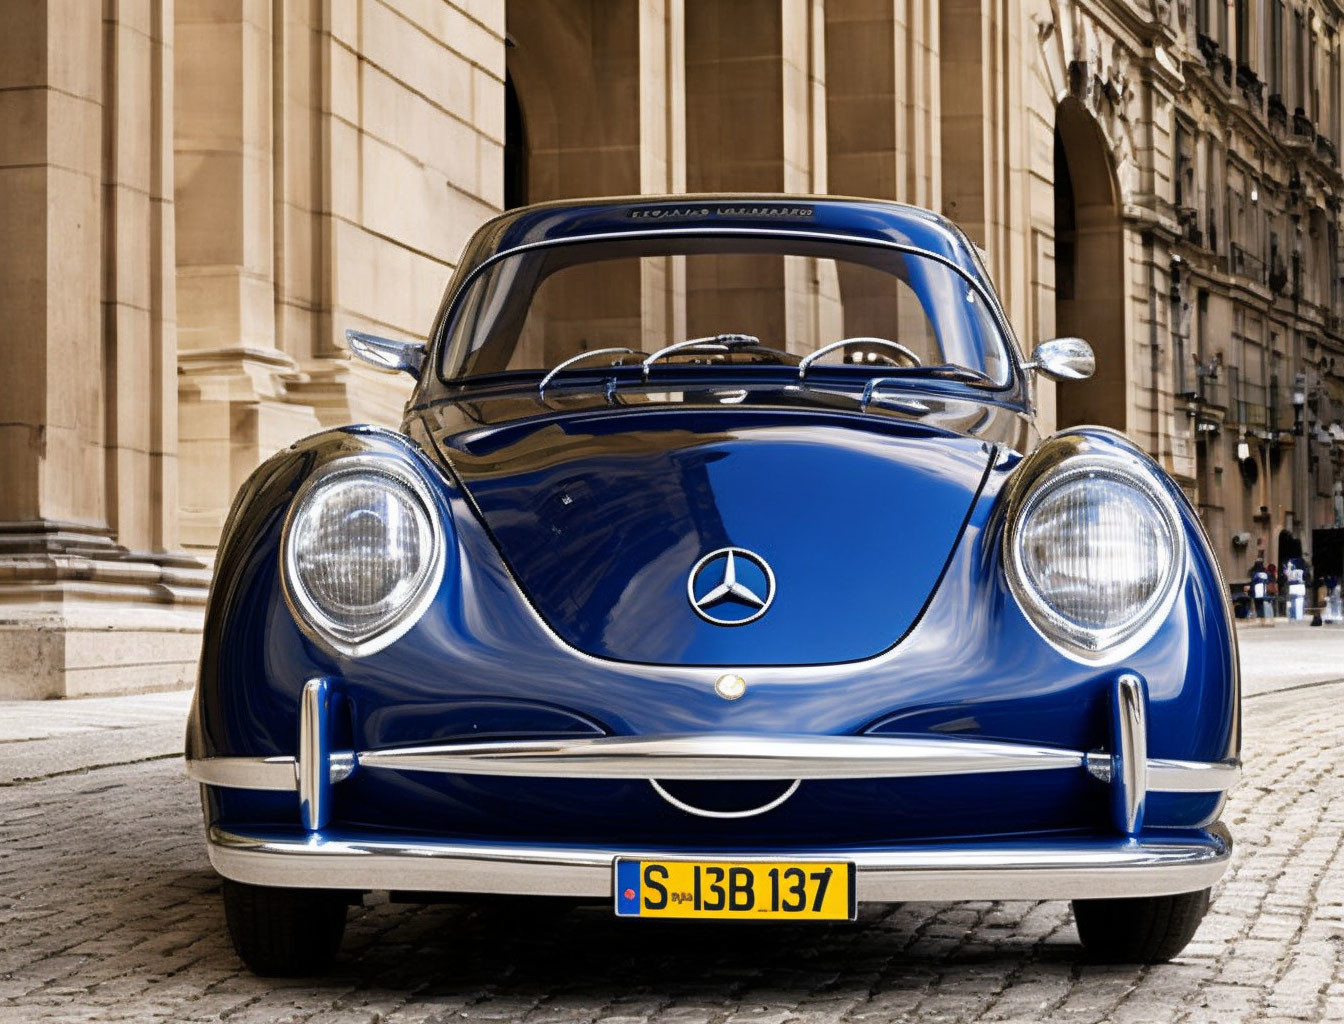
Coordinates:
1089 268
515 148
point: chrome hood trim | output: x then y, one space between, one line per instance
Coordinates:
725 755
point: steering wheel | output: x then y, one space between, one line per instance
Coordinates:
900 349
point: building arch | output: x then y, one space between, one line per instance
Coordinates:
576 88
515 147
1089 267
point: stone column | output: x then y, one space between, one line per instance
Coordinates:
756 122
92 596
587 113
233 403
662 150
883 138
332 159
882 101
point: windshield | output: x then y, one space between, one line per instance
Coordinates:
790 296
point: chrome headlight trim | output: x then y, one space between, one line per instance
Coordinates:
305 611
1080 642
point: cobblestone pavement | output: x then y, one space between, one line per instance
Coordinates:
108 911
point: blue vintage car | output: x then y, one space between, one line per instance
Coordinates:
716 571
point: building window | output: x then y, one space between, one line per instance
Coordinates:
1313 93
1299 63
1331 122
1185 166
1207 368
1275 63
1331 262
1243 12
1215 178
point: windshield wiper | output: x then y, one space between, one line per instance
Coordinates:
941 371
566 363
712 343
896 346
949 371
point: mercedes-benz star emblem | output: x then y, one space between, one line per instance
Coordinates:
731 587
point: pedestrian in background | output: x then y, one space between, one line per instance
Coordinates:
1334 606
1260 580
1296 578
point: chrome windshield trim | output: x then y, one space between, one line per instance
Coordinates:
1039 868
278 774
714 756
992 303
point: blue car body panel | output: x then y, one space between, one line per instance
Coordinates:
600 536
893 616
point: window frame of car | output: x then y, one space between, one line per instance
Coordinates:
1012 390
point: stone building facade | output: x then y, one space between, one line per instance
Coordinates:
200 196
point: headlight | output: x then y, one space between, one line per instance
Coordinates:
363 553
1094 552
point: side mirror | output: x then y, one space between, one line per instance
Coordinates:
386 354
1063 359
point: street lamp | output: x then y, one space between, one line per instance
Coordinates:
1243 449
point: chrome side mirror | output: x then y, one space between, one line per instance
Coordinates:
1063 359
386 354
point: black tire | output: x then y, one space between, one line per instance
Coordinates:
284 933
1144 930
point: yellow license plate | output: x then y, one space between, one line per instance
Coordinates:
743 890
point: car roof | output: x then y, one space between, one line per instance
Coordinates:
861 219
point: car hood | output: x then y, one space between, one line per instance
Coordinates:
603 516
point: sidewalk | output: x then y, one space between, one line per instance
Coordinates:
41 738
1286 654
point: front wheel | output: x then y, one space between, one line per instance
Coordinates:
1142 930
284 932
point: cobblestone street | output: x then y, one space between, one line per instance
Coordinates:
109 911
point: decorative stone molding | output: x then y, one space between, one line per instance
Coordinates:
79 614
1081 61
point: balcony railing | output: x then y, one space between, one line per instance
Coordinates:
1278 113
1208 48
1281 418
1250 85
1250 408
1210 389
1246 264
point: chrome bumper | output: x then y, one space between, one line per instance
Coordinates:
1125 767
1036 869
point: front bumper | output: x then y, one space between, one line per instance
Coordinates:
1131 861
1035 869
